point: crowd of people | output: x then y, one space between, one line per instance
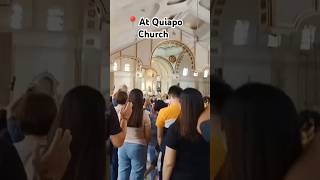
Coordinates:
255 132
40 140
162 135
88 136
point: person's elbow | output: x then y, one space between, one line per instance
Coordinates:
159 138
118 139
169 164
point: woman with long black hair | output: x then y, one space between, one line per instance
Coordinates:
83 112
133 154
187 154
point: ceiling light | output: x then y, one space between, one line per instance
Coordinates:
206 73
185 72
195 74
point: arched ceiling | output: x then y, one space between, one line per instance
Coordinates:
168 50
175 53
195 13
163 67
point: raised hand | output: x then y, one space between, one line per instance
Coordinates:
126 111
53 163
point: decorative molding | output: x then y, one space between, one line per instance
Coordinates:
217 11
166 61
266 11
186 49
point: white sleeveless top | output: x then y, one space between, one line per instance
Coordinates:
136 135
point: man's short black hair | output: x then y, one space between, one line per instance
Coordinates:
121 97
159 104
175 91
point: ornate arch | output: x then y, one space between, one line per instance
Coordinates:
302 17
167 62
186 50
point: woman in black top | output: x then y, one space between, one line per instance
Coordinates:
187 154
11 166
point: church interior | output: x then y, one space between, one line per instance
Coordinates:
63 46
109 104
63 67
153 65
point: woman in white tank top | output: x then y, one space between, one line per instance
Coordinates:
133 154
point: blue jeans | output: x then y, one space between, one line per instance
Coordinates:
132 161
152 156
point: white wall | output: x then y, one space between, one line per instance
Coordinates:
51 53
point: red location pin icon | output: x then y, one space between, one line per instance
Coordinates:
132 19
